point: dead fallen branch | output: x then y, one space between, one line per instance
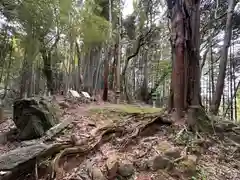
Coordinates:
57 129
21 160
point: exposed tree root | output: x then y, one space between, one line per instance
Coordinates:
127 130
141 126
198 120
83 149
101 134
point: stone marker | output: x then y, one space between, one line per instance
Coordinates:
85 94
73 93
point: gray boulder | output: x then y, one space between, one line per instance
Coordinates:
33 117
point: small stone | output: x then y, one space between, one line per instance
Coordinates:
126 169
188 166
192 158
168 150
173 153
97 174
164 146
112 165
159 162
63 104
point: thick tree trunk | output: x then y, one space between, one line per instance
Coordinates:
144 89
106 74
25 78
185 91
212 74
178 66
117 73
79 72
98 71
114 67
223 62
194 46
47 69
94 61
231 88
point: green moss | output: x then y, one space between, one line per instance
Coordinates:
97 111
189 165
136 109
125 110
201 174
116 113
164 146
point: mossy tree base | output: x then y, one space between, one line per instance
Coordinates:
198 120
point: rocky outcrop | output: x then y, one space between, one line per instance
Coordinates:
33 117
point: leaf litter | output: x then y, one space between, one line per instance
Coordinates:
133 137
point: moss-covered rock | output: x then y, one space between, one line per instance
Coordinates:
112 165
168 150
159 162
126 168
97 174
189 165
198 120
163 146
125 110
33 117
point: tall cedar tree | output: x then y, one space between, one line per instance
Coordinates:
185 25
224 57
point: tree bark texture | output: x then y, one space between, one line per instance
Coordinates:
185 85
47 69
79 80
106 74
114 68
144 89
223 62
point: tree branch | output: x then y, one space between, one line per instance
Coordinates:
141 41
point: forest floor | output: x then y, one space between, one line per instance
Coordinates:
135 144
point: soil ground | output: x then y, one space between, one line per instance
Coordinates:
216 159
